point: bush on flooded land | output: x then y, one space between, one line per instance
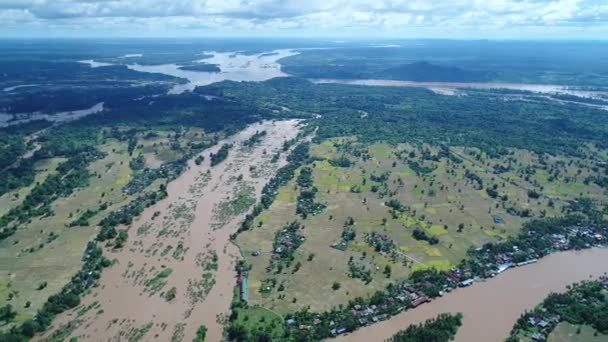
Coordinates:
440 329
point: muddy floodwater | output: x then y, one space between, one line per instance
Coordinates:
492 307
176 271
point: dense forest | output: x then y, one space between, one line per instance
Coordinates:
396 115
571 63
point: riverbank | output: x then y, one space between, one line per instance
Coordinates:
496 303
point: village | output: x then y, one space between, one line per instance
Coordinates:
490 260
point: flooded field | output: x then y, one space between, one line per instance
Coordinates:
176 271
495 304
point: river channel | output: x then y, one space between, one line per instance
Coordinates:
491 307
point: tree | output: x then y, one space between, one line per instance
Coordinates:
387 271
7 313
200 334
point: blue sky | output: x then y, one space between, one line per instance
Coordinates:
510 19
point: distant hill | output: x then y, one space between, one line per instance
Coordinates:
427 72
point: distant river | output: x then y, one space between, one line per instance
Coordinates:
451 88
7 119
492 307
234 66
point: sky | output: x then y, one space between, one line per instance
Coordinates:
457 19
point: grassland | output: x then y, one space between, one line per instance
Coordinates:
566 332
441 192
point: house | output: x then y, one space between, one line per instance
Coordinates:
497 219
543 324
244 286
467 282
420 300
538 337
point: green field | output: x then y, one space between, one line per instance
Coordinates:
566 332
439 200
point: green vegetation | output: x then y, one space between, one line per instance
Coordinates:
295 159
583 303
202 67
285 244
251 323
72 174
201 332
399 192
417 203
569 63
306 198
440 329
256 138
68 298
471 121
221 155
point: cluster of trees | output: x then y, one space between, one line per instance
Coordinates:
285 243
71 174
16 171
126 214
443 328
582 304
256 138
94 262
221 155
420 234
298 157
306 199
67 298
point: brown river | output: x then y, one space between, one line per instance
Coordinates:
491 307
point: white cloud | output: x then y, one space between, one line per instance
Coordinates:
320 16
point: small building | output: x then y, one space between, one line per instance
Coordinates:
244 286
497 219
538 337
543 324
467 282
419 301
504 267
